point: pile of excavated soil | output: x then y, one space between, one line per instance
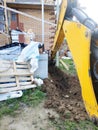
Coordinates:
64 95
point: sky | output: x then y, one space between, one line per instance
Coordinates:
91 8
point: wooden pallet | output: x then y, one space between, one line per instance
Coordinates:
15 76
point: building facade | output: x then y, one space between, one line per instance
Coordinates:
23 23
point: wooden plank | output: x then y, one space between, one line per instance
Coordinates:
23 71
4 67
24 78
32 79
5 61
11 70
6 85
14 74
16 77
25 83
6 19
22 66
7 79
6 71
21 63
17 88
64 64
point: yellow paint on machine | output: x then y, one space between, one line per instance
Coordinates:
59 36
79 39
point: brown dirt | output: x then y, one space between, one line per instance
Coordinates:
64 95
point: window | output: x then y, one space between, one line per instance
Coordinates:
2 22
13 16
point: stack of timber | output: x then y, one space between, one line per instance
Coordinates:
15 76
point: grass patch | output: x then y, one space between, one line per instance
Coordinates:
8 107
72 125
70 64
30 98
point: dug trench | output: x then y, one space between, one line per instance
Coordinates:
64 95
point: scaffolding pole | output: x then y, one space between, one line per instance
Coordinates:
57 54
42 21
27 15
6 19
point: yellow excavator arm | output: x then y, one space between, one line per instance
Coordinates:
81 36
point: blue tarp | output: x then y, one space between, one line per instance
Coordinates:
11 53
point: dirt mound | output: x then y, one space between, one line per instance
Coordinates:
64 95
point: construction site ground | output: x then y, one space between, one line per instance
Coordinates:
62 107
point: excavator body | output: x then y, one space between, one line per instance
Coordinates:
82 37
